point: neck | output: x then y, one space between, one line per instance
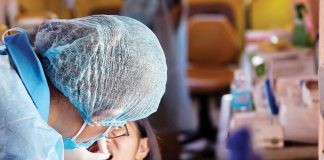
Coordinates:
63 117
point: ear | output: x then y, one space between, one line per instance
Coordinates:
143 149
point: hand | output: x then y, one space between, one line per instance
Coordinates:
102 145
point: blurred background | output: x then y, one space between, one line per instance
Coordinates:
232 64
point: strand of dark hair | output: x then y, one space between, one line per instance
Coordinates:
146 131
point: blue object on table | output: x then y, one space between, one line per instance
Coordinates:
274 109
239 145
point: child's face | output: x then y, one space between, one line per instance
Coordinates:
128 147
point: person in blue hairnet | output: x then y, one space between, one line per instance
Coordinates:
103 71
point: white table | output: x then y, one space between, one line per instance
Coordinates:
286 153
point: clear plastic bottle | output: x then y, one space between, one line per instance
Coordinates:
241 91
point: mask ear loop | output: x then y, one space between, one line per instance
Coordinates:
80 131
7 31
82 128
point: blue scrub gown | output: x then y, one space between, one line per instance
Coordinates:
23 133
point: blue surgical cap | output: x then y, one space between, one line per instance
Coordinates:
110 67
